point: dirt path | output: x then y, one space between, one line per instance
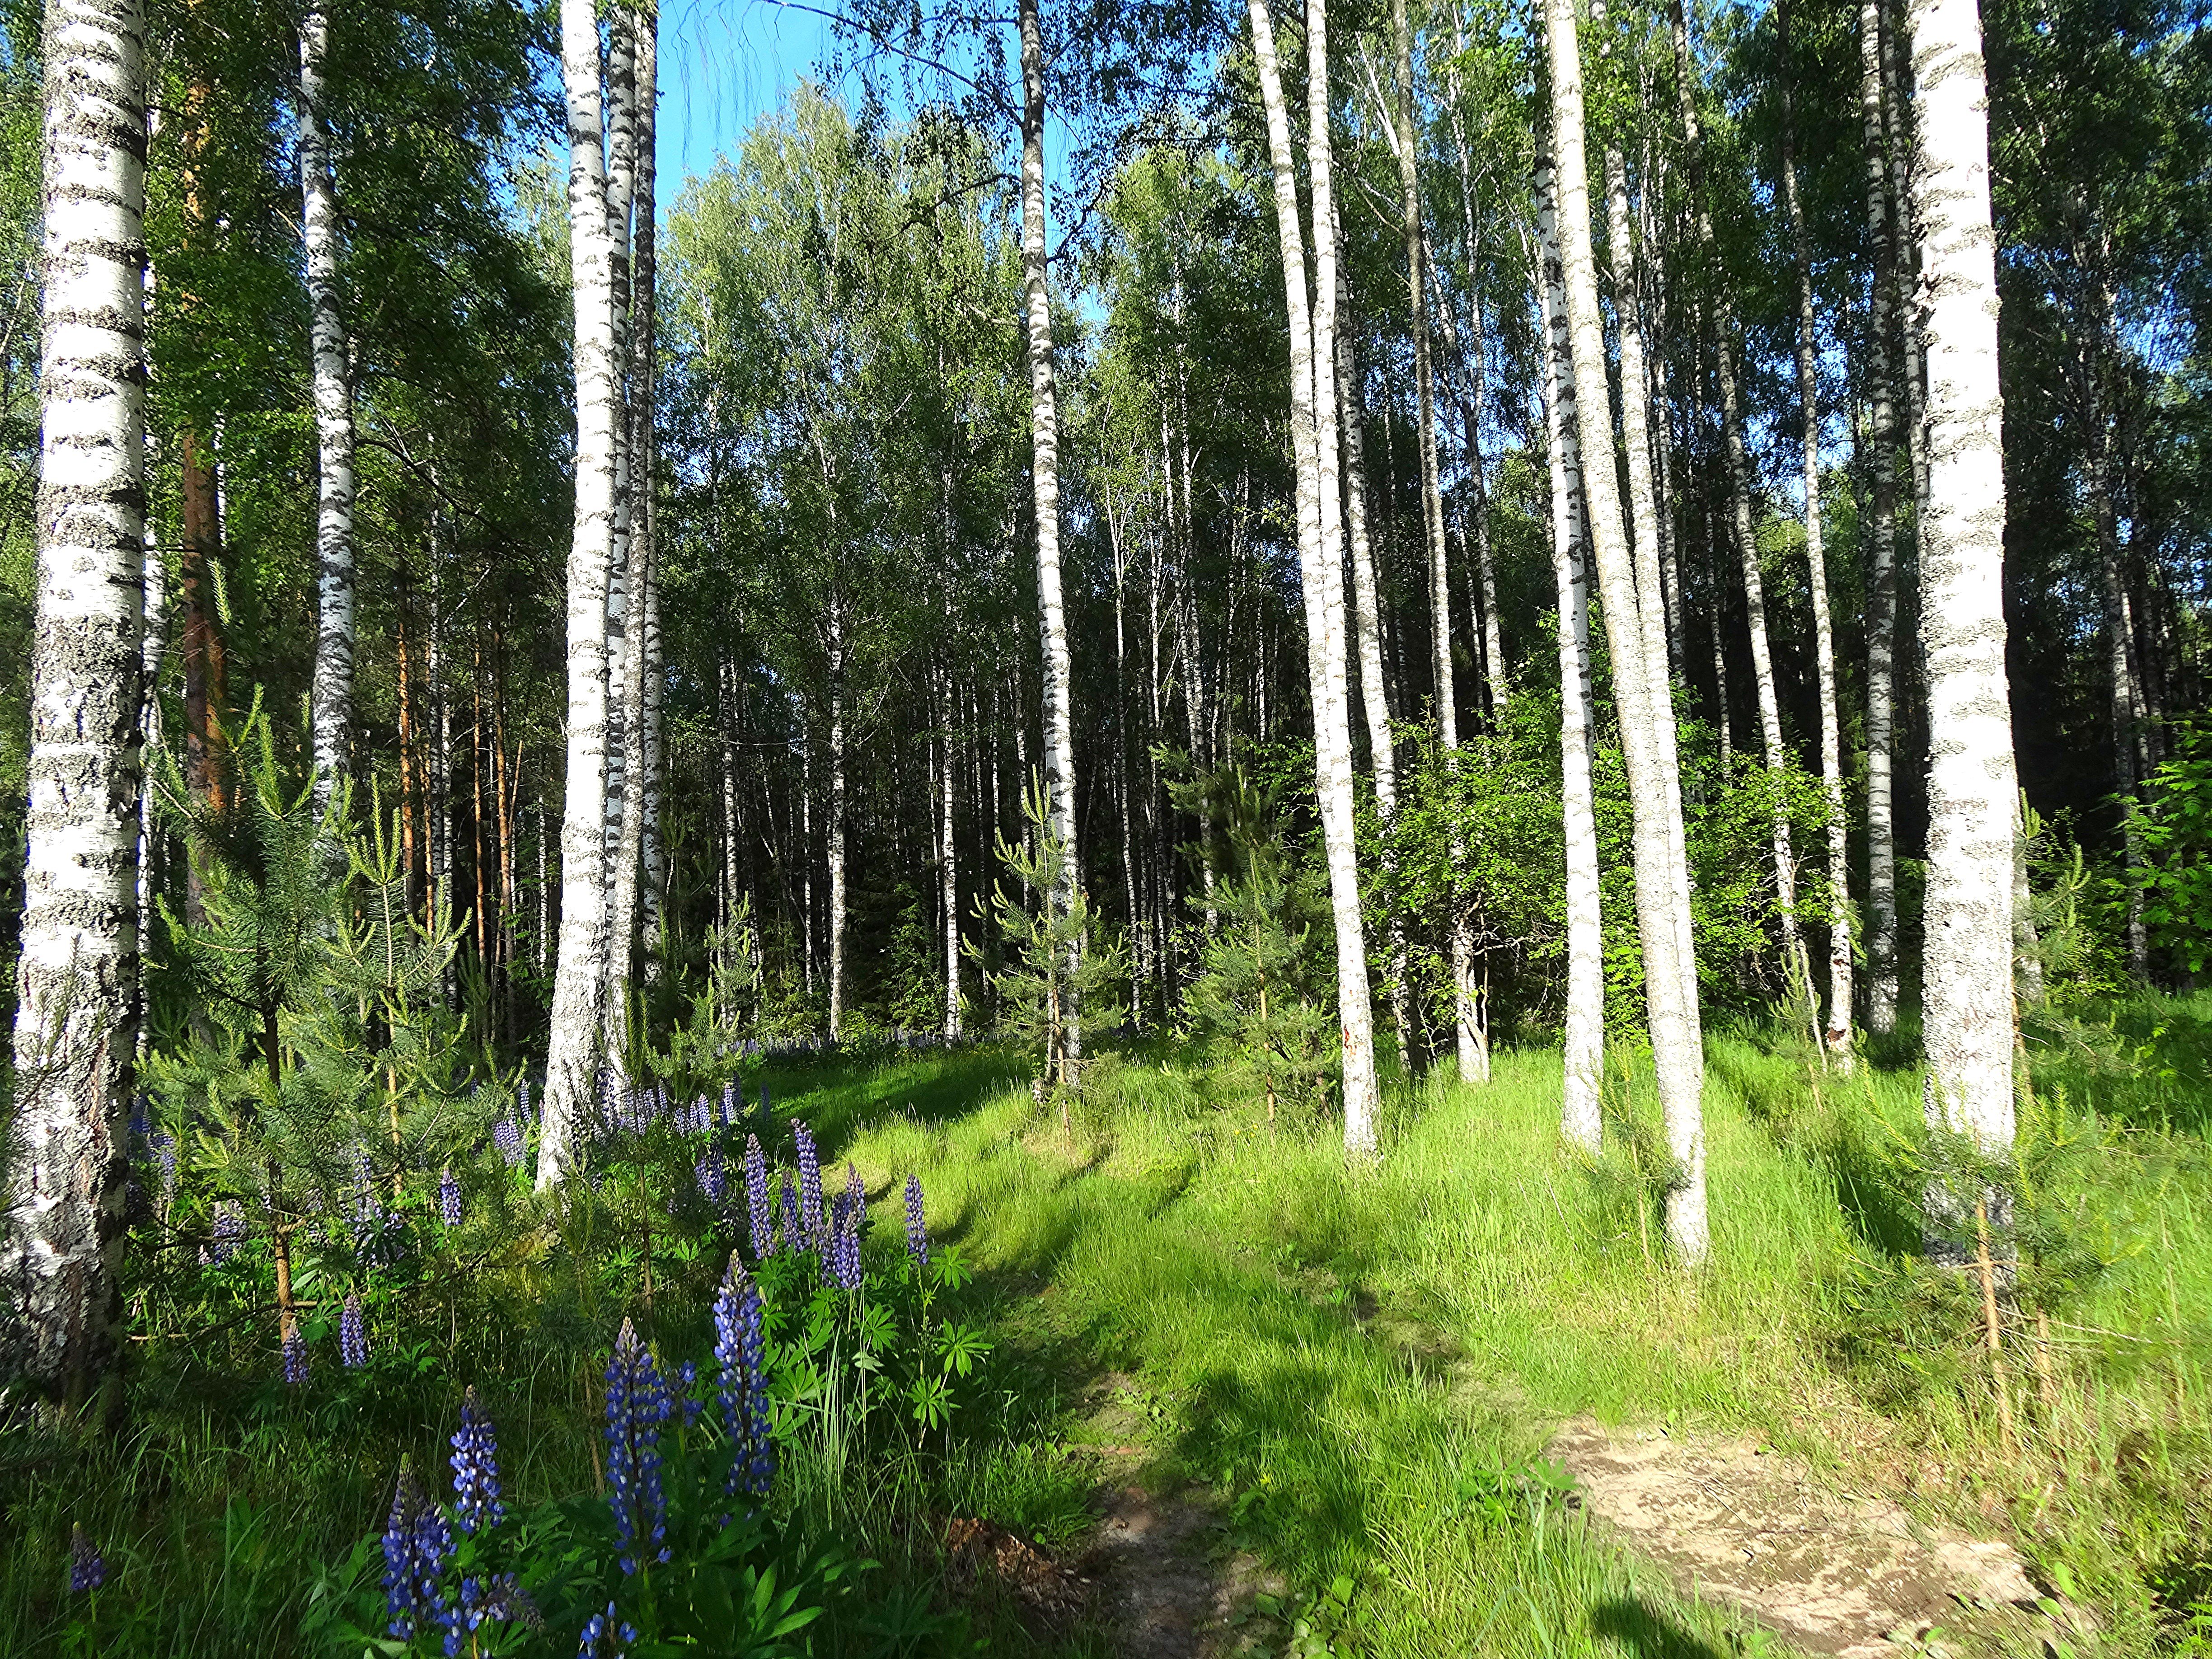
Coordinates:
1851 1575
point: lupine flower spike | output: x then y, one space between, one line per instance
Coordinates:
793 1238
87 1570
405 1571
810 1186
296 1353
352 1336
637 1405
917 1236
606 1636
449 1197
476 1468
739 1349
757 1199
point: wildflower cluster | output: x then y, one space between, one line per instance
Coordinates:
638 1403
740 1350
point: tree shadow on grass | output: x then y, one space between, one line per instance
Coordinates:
1634 1626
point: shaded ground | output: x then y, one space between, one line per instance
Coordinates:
1847 1574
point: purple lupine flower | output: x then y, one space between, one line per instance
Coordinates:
165 1155
714 1181
605 1627
449 1197
87 1570
399 1553
810 1185
740 1350
758 1201
522 1113
229 1229
917 1235
844 1255
637 1405
434 1547
506 1136
687 1390
352 1336
295 1353
787 1224
476 1468
733 1103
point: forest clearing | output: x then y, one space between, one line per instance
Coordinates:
1149 829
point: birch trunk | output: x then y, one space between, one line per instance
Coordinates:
1367 636
77 976
1581 1115
621 202
1674 1041
1881 543
332 696
628 705
1044 440
1313 427
834 830
948 857
645 404
1836 1035
1474 1058
1739 489
1644 514
579 977
1972 790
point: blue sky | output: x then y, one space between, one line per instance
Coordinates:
724 63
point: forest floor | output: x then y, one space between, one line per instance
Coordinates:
1245 1399
1409 1411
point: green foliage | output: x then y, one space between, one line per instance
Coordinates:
1058 966
1260 990
2176 827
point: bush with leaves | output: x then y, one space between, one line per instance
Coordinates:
2175 814
1261 971
1056 967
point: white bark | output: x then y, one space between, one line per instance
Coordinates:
1476 368
1967 984
948 863
621 559
645 404
579 978
332 696
1581 1113
631 705
77 976
1881 539
1836 1034
1644 514
835 831
1473 1051
1674 1041
1044 439
1314 438
1739 481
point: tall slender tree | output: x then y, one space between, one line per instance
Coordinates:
1581 1112
1321 550
333 699
1674 1038
579 977
1967 977
76 978
1058 686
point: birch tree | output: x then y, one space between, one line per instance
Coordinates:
1581 1118
333 696
1320 539
1837 1032
1674 1044
1967 977
1882 540
579 977
77 976
1044 429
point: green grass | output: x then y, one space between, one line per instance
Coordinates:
1341 1354
1345 1360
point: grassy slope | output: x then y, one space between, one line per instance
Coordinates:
1342 1354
